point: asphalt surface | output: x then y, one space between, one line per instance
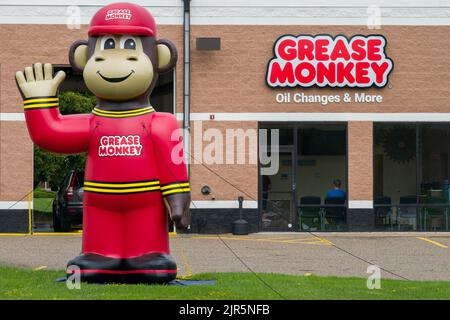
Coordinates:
414 256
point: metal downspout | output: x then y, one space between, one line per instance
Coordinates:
186 80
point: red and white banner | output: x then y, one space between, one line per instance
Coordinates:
323 60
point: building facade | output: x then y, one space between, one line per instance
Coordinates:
388 145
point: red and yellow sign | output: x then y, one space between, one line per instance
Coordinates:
323 60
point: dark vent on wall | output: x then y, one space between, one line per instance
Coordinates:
208 44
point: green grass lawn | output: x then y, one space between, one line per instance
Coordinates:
29 284
43 205
42 201
42 193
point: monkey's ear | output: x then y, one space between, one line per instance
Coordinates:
167 55
78 55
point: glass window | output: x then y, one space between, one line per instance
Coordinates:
395 161
434 144
435 149
321 176
309 190
411 176
162 95
395 176
277 196
285 135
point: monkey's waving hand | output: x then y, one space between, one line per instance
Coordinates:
38 81
47 127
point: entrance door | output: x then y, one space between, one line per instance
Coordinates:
278 195
321 176
309 190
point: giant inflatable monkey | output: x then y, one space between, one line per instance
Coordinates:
134 166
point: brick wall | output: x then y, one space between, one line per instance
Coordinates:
360 164
243 176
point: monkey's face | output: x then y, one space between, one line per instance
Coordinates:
118 69
122 67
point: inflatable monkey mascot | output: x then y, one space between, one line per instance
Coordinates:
134 168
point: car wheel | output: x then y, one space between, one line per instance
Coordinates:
65 225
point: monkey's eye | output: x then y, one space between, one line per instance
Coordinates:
108 43
128 42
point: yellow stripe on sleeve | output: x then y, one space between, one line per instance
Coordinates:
180 190
175 185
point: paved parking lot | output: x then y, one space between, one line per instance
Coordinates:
418 256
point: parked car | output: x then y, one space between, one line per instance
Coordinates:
68 203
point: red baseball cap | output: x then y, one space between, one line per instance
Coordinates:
123 18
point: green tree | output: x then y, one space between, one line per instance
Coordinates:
52 167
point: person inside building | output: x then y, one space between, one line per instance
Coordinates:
336 191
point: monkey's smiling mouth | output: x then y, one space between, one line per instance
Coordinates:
115 79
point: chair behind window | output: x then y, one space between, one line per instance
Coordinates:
308 214
336 213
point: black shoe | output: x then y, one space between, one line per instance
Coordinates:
150 268
95 268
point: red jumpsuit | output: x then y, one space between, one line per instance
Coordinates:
134 159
